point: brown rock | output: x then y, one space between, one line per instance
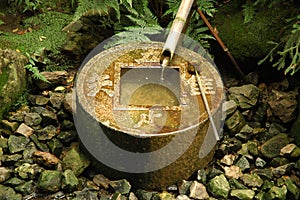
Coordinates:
45 158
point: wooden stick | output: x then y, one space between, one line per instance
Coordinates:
207 108
215 34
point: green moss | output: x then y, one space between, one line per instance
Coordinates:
251 40
47 32
3 78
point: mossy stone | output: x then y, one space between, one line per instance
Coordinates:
50 181
250 40
13 80
75 160
9 193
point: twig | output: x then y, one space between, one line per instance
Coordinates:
215 34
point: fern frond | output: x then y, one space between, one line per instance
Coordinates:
248 11
93 7
207 7
133 34
36 73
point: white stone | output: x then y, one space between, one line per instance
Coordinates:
25 130
198 191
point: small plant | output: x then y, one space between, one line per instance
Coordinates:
37 57
27 5
289 56
1 21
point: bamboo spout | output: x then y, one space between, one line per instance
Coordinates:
175 31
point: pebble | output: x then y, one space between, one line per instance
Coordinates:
25 130
198 191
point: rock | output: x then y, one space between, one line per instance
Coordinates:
14 181
132 196
66 125
282 170
288 149
295 129
12 76
235 184
278 161
86 195
184 187
45 158
46 133
42 146
243 163
233 172
267 185
55 146
3 143
228 146
272 147
252 147
260 113
219 186
57 99
235 122
182 197
9 193
10 126
17 143
25 130
228 159
144 195
201 176
214 172
229 107
295 153
50 181
260 162
41 100
252 78
18 115
26 188
198 191
75 161
70 181
101 181
163 196
246 96
49 118
121 186
264 173
291 187
32 119
92 186
252 180
28 171
243 194
5 174
276 193
66 137
118 196
68 102
11 158
282 106
55 78
74 26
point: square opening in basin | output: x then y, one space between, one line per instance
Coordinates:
149 86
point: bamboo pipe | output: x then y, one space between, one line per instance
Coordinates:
175 31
